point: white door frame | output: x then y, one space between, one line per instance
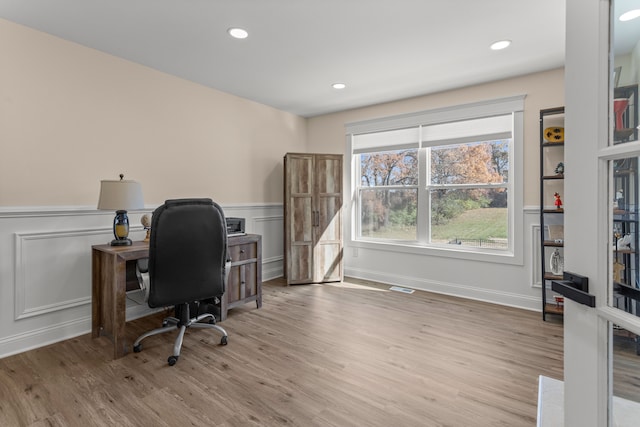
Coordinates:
584 352
587 366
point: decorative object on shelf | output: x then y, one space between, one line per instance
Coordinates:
558 201
619 107
623 243
618 268
616 235
146 223
560 168
559 300
554 134
625 110
556 233
120 196
618 203
556 262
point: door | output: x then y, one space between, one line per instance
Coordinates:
601 345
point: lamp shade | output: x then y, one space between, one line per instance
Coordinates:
120 195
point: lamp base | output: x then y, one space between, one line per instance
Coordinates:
121 242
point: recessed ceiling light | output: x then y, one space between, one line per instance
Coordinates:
238 33
500 44
338 85
628 16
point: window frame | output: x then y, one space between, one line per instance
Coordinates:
513 106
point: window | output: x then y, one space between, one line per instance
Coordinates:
444 180
388 194
468 194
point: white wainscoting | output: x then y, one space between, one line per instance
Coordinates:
45 268
68 265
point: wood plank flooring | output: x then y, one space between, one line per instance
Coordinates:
348 354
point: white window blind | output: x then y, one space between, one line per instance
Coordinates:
483 129
452 114
398 139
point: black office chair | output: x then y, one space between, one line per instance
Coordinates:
188 266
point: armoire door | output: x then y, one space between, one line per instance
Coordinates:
299 218
328 227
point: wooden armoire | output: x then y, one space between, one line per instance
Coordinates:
313 218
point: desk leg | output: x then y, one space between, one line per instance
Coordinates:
96 293
109 301
120 307
259 280
224 305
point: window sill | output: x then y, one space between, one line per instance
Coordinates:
457 252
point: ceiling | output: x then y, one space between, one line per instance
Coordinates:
383 50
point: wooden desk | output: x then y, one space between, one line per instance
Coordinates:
109 284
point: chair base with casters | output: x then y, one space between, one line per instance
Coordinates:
182 323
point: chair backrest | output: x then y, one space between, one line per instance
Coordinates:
187 252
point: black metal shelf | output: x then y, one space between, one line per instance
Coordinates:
625 218
549 177
551 117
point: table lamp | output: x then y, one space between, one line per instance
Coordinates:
120 196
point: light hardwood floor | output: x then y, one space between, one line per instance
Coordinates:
349 354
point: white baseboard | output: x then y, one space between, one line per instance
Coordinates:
44 336
452 289
272 268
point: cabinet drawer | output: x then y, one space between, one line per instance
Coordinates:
243 252
242 284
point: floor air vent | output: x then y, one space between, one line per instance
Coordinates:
403 290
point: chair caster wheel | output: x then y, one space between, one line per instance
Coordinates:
223 340
164 323
172 360
137 348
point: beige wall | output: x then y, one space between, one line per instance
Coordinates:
71 116
326 133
